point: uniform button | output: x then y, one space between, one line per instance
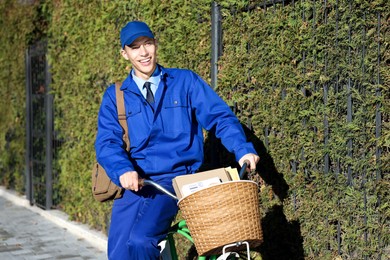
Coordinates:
175 102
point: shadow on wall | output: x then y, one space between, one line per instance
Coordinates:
282 238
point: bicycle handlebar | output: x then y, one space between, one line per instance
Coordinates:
144 182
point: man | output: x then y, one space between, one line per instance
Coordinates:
165 119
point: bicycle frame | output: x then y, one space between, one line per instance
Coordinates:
182 229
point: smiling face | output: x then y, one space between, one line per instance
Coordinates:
142 55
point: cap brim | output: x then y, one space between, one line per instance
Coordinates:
134 37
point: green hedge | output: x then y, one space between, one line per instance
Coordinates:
16 30
288 69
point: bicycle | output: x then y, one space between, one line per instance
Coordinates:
169 249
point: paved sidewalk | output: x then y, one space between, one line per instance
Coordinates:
28 232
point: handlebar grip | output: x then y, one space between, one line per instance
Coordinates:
243 169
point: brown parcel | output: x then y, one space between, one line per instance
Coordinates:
179 181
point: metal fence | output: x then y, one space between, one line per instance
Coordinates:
41 142
354 149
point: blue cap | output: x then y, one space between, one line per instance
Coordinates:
133 30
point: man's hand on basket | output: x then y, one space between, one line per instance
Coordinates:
251 159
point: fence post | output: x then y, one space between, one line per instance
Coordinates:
49 138
216 43
215 53
28 155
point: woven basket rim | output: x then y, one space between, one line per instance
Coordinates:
215 185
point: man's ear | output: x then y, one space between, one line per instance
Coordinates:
124 54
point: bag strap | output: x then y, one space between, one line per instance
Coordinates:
120 105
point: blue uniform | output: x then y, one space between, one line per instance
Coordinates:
166 141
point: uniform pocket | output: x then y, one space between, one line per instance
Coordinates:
176 114
133 110
176 102
138 125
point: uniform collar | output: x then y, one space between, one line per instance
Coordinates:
129 83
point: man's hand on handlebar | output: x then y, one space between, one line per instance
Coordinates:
251 159
130 181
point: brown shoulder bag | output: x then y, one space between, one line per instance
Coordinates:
103 189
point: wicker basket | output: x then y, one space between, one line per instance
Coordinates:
222 214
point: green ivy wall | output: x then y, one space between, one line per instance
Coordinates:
307 78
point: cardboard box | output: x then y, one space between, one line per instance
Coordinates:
196 181
187 189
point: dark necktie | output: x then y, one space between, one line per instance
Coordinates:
149 93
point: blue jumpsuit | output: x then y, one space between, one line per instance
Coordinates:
166 141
